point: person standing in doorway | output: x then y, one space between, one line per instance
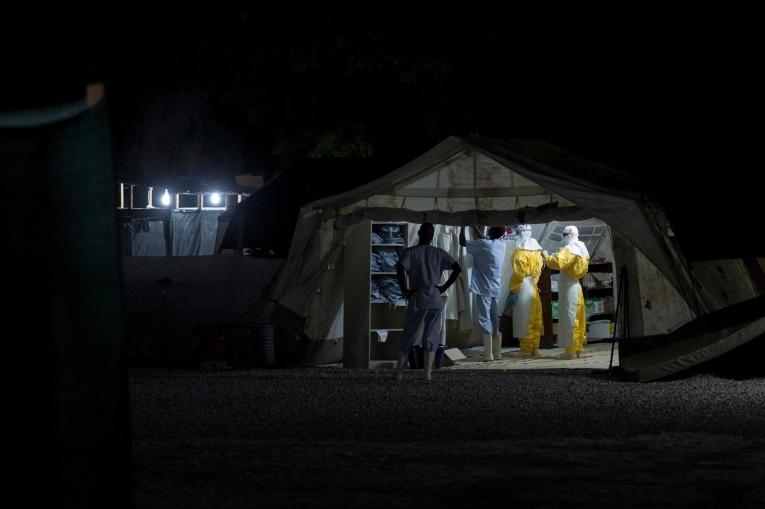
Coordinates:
488 256
572 262
423 264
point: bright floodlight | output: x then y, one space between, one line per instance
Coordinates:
166 198
215 198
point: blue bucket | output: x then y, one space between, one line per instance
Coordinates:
439 362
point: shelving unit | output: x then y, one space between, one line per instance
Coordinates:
606 293
368 317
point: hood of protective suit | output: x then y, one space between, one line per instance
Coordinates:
576 246
525 240
571 240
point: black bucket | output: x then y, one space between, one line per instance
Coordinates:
417 357
251 345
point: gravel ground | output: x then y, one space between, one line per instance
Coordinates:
347 438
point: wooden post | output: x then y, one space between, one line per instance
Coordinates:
356 286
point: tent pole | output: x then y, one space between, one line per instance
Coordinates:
475 185
621 304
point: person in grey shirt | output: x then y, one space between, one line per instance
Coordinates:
423 264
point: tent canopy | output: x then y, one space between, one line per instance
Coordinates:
469 180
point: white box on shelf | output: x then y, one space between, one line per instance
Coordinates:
599 329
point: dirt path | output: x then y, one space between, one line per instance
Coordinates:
311 438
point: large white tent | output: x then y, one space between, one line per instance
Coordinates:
470 180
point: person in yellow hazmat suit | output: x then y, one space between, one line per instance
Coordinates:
524 295
572 261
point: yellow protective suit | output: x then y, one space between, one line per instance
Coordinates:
572 323
527 311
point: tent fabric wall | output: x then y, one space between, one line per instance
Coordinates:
194 232
700 340
164 232
662 307
148 237
725 282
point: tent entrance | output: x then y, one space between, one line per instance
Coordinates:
374 310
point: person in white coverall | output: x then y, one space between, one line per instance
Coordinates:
524 295
572 261
488 255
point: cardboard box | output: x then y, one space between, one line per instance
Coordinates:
608 305
452 355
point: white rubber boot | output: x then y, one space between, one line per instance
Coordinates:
487 340
496 350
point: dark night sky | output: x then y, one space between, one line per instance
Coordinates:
228 87
666 95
